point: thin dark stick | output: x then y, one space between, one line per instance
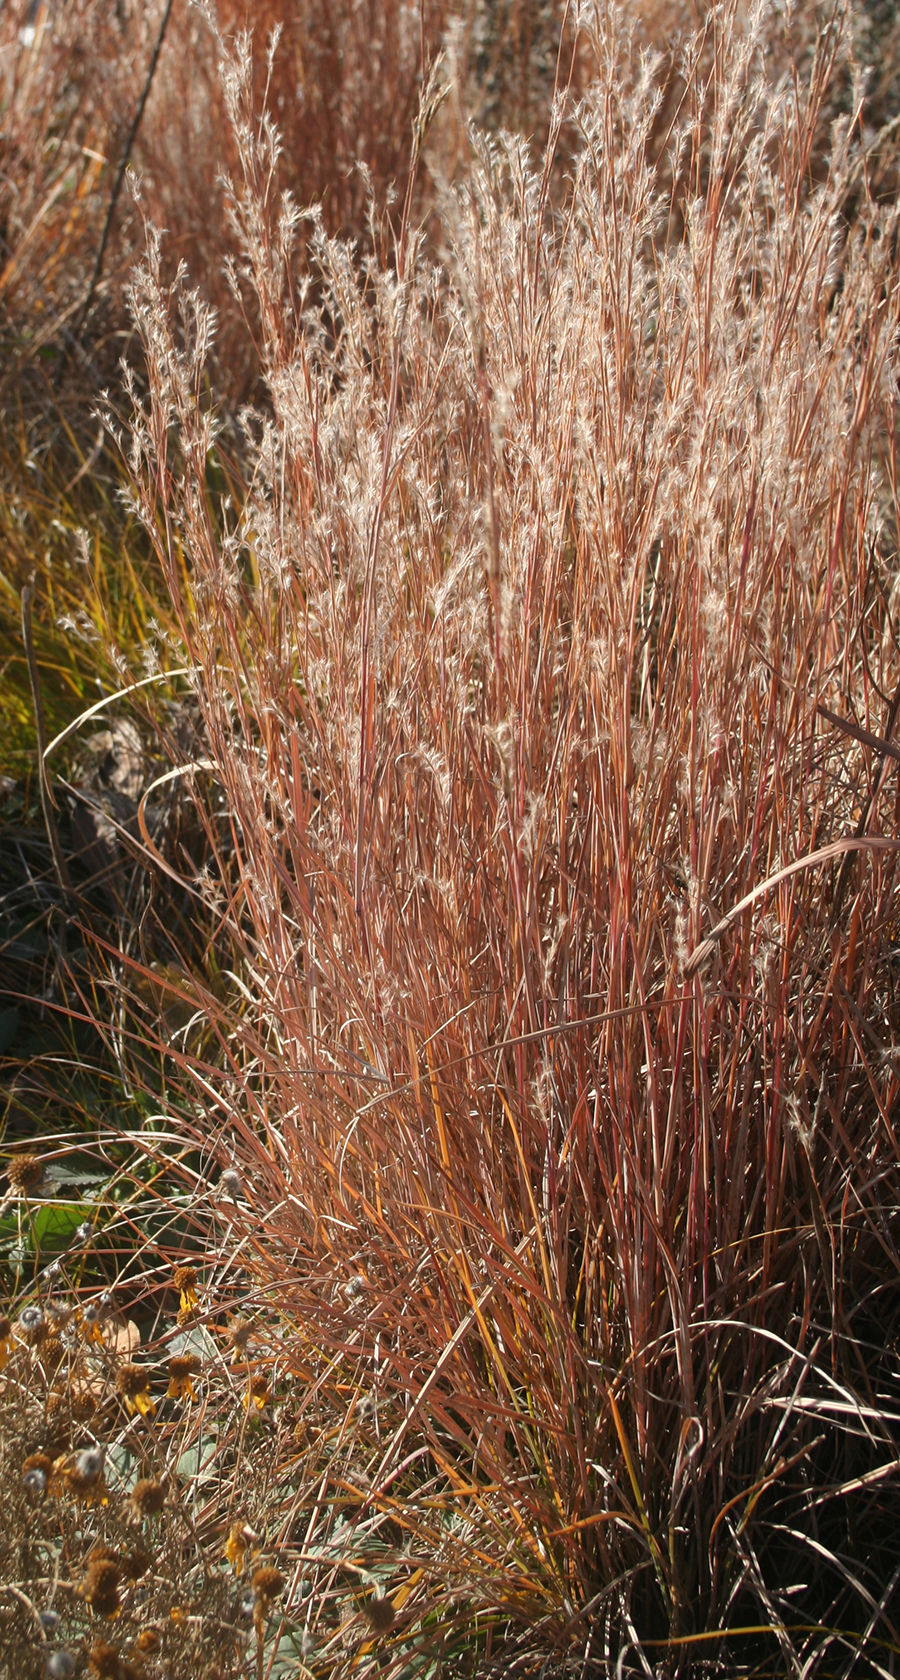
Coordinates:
117 188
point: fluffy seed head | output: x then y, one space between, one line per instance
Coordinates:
32 1325
59 1665
59 1313
237 1335
89 1463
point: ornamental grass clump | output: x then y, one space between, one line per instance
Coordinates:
530 1139
546 671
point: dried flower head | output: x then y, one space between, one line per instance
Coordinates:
148 1641
37 1470
76 1403
105 1660
100 1552
92 1316
182 1368
241 1539
84 1476
185 1280
26 1174
135 1563
259 1391
133 1384
231 1184
380 1614
148 1496
101 1586
267 1583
